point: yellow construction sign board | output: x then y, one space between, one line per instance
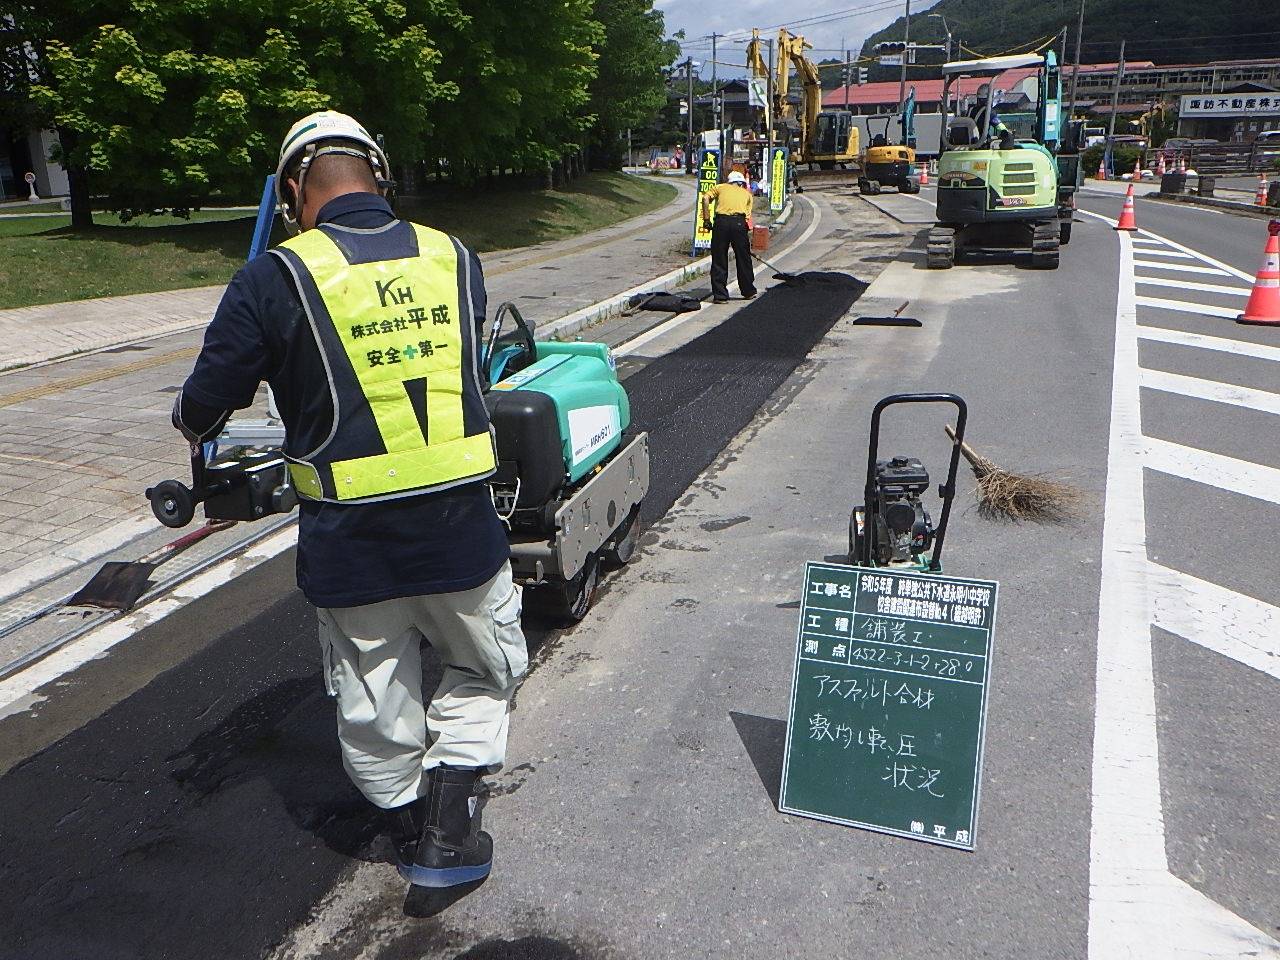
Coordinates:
777 178
708 177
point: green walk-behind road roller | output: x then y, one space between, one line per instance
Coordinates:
569 483
892 526
1008 170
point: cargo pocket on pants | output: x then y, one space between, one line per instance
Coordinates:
510 638
326 631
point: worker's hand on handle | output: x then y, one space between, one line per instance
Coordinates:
706 223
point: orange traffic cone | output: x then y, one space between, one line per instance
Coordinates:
1102 169
1137 169
1260 199
1127 220
1182 165
924 174
1263 308
1160 171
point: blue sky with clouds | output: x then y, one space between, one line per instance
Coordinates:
828 22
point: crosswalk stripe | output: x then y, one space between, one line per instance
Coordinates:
1243 348
1183 306
1159 252
1210 390
1191 285
1232 624
1203 258
1179 267
1147 241
1213 469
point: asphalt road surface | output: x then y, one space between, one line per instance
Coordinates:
182 796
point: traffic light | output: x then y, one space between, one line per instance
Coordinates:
891 46
862 75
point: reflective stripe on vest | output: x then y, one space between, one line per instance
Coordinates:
401 328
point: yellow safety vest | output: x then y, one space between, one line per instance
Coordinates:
399 346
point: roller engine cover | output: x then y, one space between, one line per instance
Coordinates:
529 445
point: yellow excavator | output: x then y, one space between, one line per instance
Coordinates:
888 163
825 137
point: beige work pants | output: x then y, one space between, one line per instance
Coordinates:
373 667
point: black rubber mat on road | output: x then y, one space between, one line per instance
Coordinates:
206 814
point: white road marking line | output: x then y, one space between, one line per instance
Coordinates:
1145 241
631 346
97 642
1213 390
1192 285
1242 348
1161 252
1183 306
1213 469
1173 245
1235 625
1179 267
1137 909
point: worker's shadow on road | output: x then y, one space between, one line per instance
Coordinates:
765 740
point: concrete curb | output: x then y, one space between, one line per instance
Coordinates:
574 322
1235 206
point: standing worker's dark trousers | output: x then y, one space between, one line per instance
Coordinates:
730 230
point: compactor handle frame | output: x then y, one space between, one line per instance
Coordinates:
947 490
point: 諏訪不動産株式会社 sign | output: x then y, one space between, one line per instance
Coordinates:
708 177
889 702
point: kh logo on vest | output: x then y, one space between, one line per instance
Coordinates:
390 297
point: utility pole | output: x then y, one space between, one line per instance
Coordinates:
716 109
1075 71
1115 100
688 148
906 52
769 108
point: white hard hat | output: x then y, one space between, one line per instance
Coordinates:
315 135
737 177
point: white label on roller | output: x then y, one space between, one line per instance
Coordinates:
590 428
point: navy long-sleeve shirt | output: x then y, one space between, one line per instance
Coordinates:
348 554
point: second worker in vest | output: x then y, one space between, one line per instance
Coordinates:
366 328
729 229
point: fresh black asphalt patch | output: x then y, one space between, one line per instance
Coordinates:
205 815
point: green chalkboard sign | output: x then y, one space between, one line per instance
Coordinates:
889 702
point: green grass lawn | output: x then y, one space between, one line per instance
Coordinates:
43 261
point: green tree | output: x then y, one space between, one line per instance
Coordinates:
630 87
156 107
519 74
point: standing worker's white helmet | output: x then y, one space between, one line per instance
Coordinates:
314 136
737 177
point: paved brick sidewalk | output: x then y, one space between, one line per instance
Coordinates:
34 334
82 437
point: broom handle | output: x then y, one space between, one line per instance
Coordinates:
969 453
169 550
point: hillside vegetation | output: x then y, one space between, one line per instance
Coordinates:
1162 31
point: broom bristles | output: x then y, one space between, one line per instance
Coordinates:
1004 495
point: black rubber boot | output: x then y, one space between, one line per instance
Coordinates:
405 828
452 849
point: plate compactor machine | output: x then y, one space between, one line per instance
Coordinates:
569 483
892 526
1008 186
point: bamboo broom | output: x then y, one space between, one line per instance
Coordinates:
1003 495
